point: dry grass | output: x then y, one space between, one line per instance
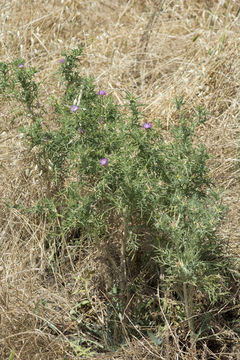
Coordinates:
156 49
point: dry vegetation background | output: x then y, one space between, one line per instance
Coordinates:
155 49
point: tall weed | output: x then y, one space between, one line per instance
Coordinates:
117 181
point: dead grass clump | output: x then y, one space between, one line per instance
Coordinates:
155 49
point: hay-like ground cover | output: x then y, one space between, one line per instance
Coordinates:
157 50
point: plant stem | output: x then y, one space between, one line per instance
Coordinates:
123 258
188 303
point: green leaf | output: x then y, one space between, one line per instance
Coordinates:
157 340
12 355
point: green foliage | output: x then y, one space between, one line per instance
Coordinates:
108 175
12 355
4 76
17 80
28 92
81 351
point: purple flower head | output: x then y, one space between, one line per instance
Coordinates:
62 61
20 66
147 125
101 121
74 108
102 93
104 162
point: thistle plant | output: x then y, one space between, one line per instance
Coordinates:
28 89
4 76
17 80
119 181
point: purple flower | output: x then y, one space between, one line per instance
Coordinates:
62 60
102 93
147 125
20 66
104 162
74 108
101 121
